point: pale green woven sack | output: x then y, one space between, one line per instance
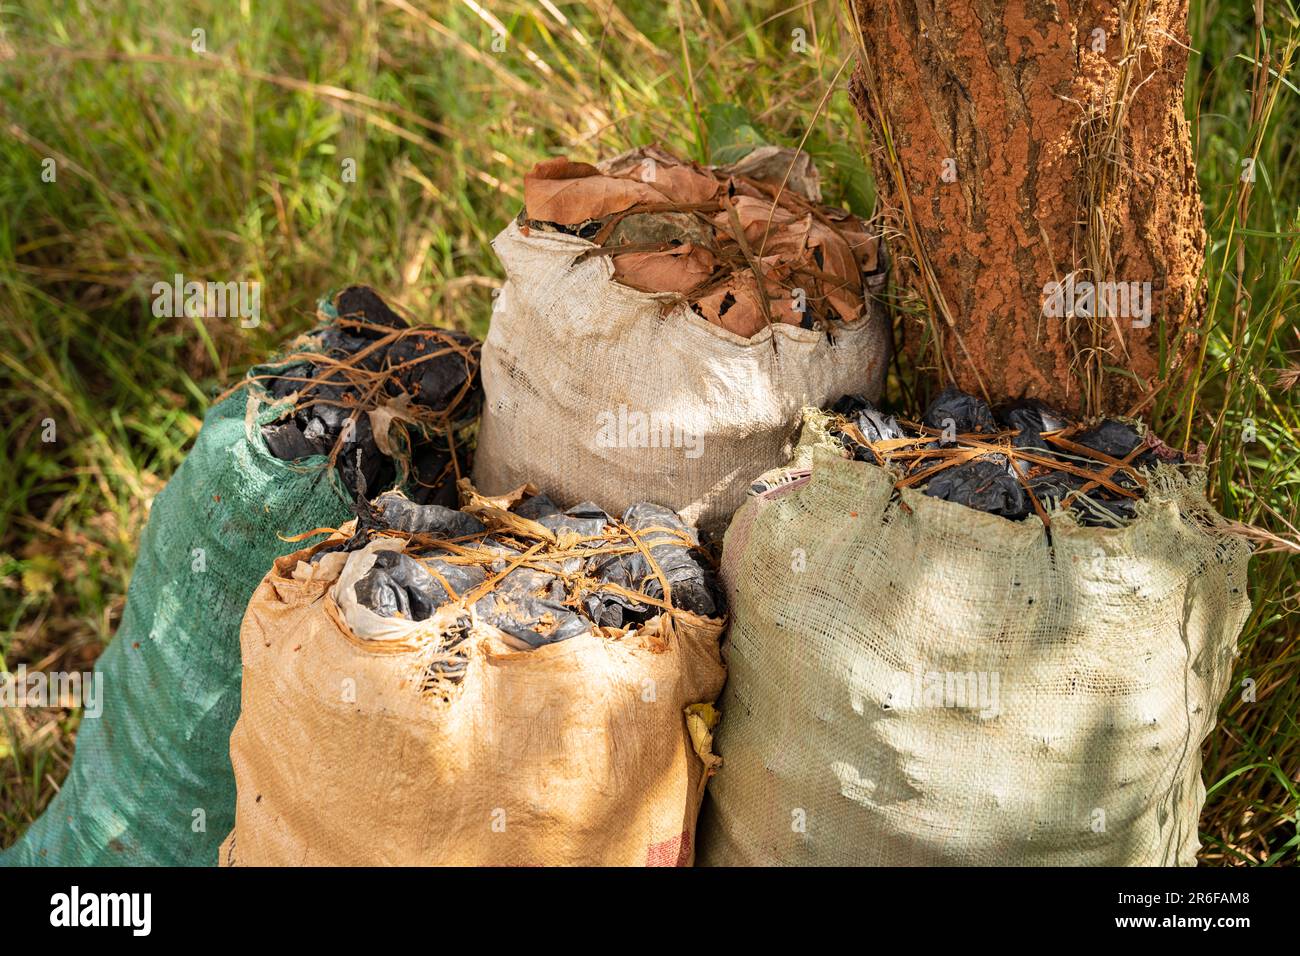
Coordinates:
912 682
151 781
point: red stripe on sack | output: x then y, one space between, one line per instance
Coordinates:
672 852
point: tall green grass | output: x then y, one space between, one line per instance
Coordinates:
228 165
1241 400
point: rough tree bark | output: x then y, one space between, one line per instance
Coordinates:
1063 124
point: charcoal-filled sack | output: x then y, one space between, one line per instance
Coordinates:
667 371
388 403
912 681
504 684
151 781
1021 460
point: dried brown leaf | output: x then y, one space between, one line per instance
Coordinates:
777 164
570 200
680 270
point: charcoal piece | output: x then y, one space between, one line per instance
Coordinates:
537 507
507 554
643 515
1032 441
454 666
1105 511
608 608
849 405
315 432
452 669
368 521
1053 488
533 621
330 403
433 479
1030 418
359 434
400 514
1111 437
1031 414
1095 507
983 485
1117 439
967 413
857 451
524 582
874 424
691 584
288 380
363 304
568 566
437 382
462 578
285 441
763 486
363 467
397 586
338 342
587 520
443 494
1102 512
612 610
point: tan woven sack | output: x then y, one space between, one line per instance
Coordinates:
576 753
598 392
912 682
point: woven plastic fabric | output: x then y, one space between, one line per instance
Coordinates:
597 392
151 781
912 682
576 753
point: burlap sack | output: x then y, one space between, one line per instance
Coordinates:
1112 650
574 363
575 753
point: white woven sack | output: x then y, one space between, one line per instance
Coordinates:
597 392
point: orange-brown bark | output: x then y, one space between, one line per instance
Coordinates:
1069 159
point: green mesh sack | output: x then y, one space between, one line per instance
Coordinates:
151 782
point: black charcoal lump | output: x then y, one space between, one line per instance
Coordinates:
985 485
663 532
401 514
531 600
996 483
324 400
874 424
958 413
397 585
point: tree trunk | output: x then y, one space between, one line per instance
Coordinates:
1022 143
